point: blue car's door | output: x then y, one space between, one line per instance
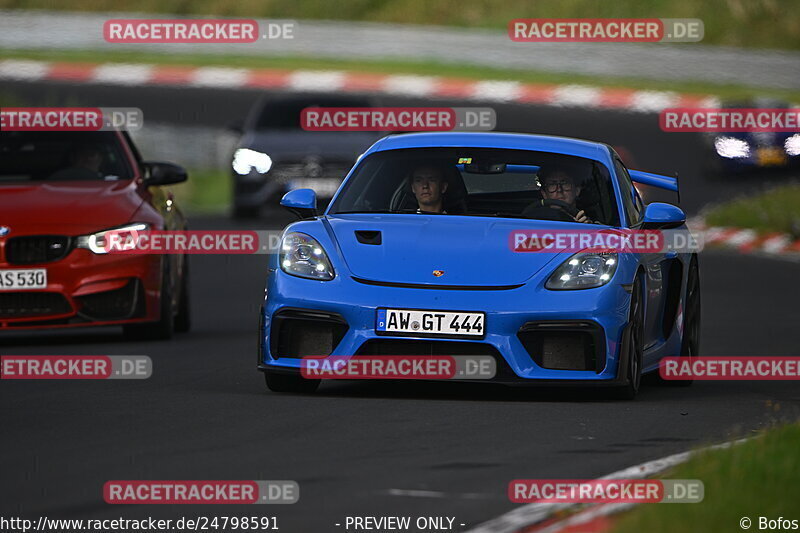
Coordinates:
656 265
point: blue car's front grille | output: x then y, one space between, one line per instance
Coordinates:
564 345
391 346
300 333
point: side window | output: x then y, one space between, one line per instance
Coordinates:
134 150
630 198
637 202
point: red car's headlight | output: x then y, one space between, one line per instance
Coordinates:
97 242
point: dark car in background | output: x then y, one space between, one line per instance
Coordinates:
740 152
275 155
61 194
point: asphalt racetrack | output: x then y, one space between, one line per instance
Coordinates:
367 448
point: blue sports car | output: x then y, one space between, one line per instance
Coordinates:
420 227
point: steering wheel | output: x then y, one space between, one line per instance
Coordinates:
566 209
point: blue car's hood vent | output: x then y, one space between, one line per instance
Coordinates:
466 251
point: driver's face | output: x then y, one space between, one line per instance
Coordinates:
90 160
428 186
561 187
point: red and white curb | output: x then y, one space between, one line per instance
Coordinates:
541 517
748 241
593 520
130 74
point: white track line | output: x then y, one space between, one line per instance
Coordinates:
533 513
653 101
123 74
577 95
13 69
219 77
588 516
500 91
317 80
410 85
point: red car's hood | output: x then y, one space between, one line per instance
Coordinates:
67 208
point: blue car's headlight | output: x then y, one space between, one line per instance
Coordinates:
301 255
584 270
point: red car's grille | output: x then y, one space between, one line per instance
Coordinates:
30 304
36 249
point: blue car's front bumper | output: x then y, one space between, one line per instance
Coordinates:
601 312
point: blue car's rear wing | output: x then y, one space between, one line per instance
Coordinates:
654 180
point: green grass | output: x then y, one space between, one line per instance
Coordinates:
48 97
206 191
777 209
760 477
8 99
389 66
747 23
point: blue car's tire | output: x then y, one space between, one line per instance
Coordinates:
634 347
690 344
279 382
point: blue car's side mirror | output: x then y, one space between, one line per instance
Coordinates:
301 202
659 215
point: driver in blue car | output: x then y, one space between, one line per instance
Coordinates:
428 185
559 195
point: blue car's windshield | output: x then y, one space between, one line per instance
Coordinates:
481 182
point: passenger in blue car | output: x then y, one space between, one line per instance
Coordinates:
429 185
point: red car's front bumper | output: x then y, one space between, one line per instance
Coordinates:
85 289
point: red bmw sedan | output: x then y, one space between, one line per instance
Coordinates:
59 193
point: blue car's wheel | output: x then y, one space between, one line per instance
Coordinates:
690 344
634 346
